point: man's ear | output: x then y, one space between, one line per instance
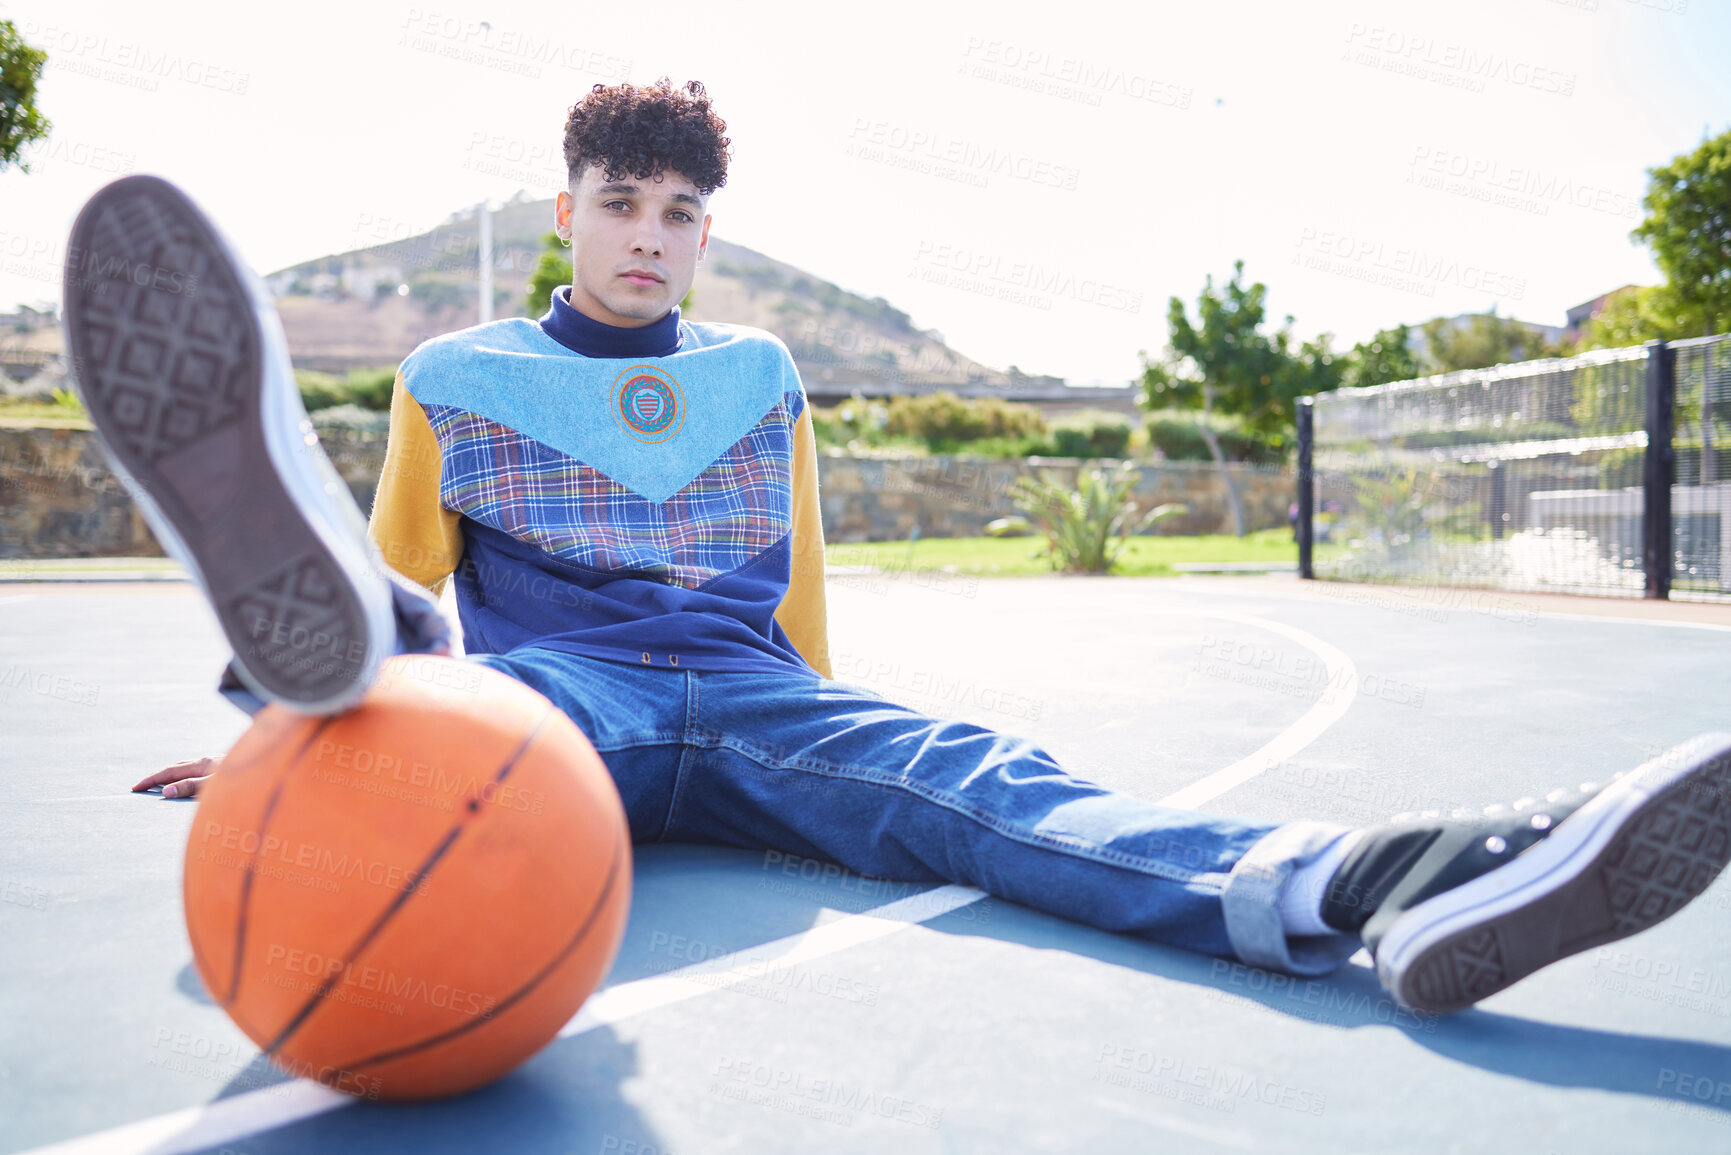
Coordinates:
703 241
562 206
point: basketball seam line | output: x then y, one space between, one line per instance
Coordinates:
246 881
515 997
353 954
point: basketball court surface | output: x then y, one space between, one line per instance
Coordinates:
761 1003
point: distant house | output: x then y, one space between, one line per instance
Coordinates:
1420 346
1587 310
365 281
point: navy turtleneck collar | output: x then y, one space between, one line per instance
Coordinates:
594 338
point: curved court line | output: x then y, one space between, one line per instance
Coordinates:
226 1120
1342 688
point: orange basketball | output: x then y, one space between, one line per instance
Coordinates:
411 898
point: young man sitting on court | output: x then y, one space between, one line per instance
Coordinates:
627 502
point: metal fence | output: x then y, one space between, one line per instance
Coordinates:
1605 473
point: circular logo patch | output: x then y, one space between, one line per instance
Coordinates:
649 403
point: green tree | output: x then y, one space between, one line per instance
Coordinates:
554 269
1634 316
551 271
20 72
1486 339
1226 363
1388 356
1688 227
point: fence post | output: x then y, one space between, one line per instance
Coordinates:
1306 486
1499 499
1659 467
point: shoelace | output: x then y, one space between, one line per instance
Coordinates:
1540 822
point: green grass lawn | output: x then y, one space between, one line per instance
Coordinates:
18 413
1143 556
23 569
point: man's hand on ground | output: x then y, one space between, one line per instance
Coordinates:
181 780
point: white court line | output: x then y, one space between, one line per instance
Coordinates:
1342 689
196 1128
226 1120
1633 621
18 598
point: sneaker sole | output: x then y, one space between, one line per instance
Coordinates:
168 356
1636 854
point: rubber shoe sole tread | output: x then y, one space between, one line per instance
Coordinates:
168 356
1650 843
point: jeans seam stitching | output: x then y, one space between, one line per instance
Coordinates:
686 753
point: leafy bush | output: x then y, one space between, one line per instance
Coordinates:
320 390
371 388
944 417
1086 527
1488 434
854 424
985 427
1090 433
1173 432
366 388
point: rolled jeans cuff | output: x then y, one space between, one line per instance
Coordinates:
1252 896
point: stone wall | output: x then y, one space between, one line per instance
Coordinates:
885 499
58 499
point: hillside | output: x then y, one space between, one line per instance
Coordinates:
373 304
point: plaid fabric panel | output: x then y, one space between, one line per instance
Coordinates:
733 511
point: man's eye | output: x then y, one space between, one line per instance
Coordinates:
681 214
620 204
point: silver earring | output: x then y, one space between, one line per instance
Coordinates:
566 241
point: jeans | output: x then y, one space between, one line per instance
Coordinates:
834 771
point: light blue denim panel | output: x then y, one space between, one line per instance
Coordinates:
719 386
1252 896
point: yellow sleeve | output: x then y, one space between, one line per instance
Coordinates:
418 537
802 613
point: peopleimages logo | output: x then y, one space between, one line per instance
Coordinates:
97 269
1066 77
1399 266
123 62
1513 186
320 972
829 1099
1021 282
1454 65
231 846
883 141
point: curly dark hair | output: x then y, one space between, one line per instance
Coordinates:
646 130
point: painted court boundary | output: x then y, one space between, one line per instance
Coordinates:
253 1112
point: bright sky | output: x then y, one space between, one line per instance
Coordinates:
1034 180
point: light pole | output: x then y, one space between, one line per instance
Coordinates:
486 221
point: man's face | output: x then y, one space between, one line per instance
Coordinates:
635 244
